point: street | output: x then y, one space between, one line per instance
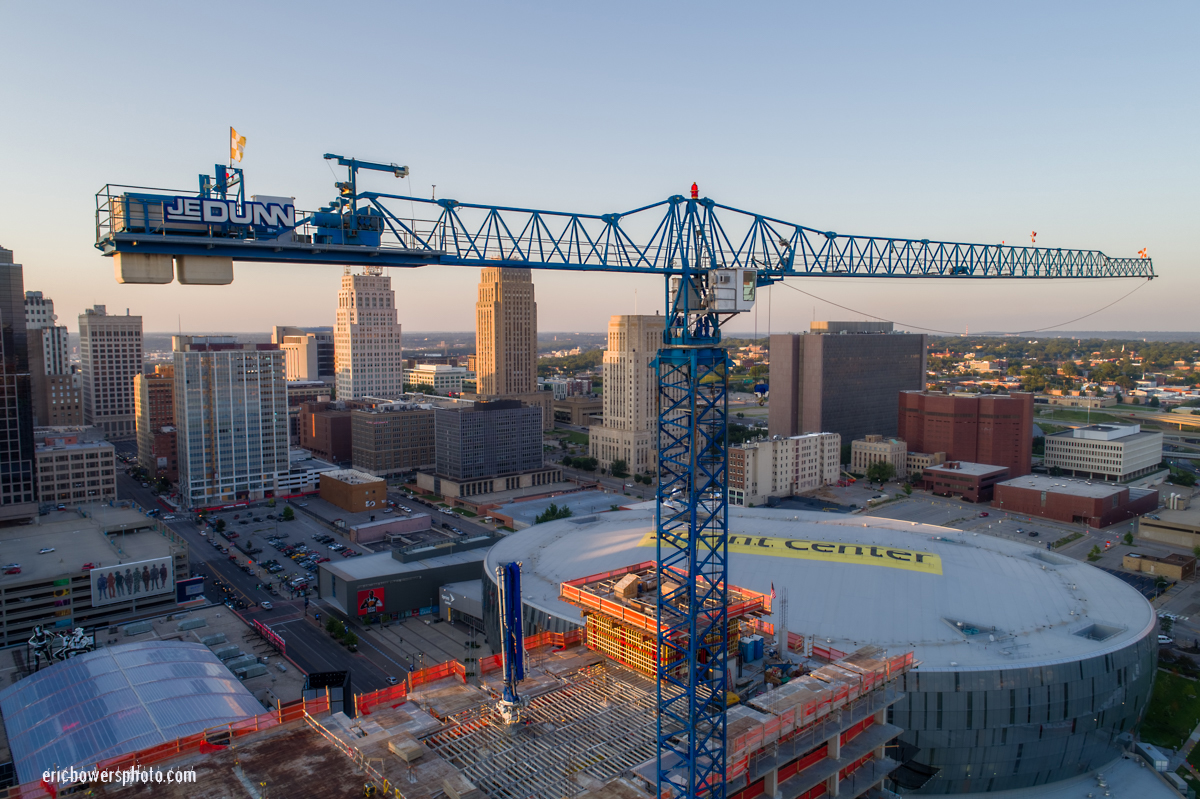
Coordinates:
381 654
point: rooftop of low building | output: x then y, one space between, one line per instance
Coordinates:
77 539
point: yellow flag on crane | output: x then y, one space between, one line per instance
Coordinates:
237 145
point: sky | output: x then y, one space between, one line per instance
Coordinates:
954 121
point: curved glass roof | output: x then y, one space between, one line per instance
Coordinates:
116 700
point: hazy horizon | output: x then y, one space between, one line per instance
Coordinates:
1073 121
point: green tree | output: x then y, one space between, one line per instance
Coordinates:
1196 550
568 460
908 489
620 468
220 525
880 472
1128 539
288 514
332 626
350 639
1182 478
552 513
1154 403
1165 623
1094 554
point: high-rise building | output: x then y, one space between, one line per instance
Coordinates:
994 429
154 405
54 387
18 493
110 350
308 353
842 377
367 350
505 363
630 395
231 419
782 467
506 333
487 447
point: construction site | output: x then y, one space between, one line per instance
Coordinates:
587 726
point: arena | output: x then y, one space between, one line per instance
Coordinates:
1033 666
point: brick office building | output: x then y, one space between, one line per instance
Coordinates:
974 482
325 430
353 491
995 429
1067 500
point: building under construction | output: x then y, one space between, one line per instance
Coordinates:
621 609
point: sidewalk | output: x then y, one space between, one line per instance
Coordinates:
1179 758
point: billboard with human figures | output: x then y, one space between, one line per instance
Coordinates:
143 578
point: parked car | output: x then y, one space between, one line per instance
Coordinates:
1165 640
45 550
983 514
1033 533
265 605
13 570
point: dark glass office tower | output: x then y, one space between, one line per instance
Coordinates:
18 500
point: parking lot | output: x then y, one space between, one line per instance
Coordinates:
944 512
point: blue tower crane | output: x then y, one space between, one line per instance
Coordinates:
512 640
713 257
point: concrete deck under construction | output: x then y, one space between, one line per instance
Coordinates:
589 731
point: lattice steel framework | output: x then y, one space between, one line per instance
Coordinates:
692 549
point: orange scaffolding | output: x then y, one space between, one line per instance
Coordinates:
620 610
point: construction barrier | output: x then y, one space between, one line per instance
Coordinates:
570 591
559 640
363 703
490 663
432 674
827 653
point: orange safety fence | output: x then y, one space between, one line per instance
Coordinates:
384 696
765 628
290 711
838 687
560 640
432 674
828 653
595 578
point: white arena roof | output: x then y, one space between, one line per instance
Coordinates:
865 580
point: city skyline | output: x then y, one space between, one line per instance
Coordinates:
985 167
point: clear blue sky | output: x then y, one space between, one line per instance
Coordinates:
960 121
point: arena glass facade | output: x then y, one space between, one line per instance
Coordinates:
996 730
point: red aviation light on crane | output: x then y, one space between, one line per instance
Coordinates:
695 192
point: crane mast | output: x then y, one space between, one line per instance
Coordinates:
713 259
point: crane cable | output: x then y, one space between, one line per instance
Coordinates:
954 333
